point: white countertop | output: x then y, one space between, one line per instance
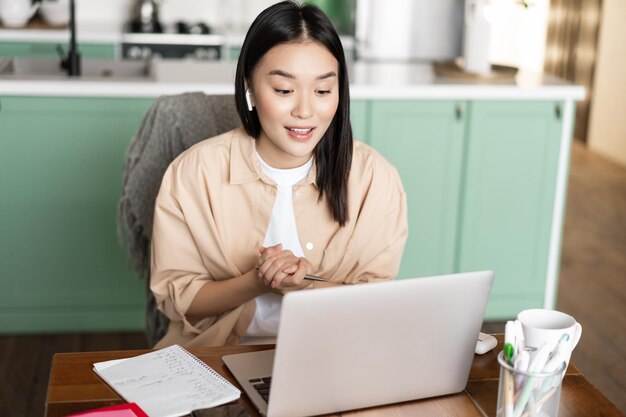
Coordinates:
367 81
87 32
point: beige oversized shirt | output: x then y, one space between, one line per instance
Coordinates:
212 213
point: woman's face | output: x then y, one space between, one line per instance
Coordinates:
295 89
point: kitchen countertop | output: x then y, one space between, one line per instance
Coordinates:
88 32
367 81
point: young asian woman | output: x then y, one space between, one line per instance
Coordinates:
243 217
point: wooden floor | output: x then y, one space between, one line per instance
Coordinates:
25 365
592 288
592 284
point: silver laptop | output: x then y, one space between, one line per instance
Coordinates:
359 346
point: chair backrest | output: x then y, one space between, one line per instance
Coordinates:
173 124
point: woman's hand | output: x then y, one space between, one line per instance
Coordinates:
281 270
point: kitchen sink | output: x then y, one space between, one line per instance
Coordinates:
50 68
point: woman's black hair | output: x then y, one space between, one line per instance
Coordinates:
287 22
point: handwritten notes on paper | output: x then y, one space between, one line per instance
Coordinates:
167 383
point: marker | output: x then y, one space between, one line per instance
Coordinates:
509 342
508 353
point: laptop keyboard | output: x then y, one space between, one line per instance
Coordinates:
262 385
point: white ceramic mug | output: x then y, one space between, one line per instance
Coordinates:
548 326
16 13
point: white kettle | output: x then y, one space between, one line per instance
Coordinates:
16 13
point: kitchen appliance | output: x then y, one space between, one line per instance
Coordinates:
476 40
147 37
145 17
409 30
181 40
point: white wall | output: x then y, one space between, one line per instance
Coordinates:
607 124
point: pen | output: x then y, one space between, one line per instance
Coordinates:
522 361
309 277
521 364
509 352
509 391
556 360
520 344
315 278
558 356
540 359
536 365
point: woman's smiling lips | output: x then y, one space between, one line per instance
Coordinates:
300 133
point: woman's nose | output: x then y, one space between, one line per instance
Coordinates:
302 107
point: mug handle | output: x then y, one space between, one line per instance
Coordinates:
578 331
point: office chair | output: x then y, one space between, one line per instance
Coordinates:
172 124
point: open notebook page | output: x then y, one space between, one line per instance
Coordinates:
167 383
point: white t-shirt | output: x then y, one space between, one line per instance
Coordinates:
282 229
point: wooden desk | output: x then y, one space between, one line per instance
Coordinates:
74 387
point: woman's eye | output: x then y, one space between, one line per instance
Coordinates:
282 92
323 92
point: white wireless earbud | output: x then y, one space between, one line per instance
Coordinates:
248 99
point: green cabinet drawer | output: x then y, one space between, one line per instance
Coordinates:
61 177
48 49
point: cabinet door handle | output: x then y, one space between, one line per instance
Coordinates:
557 111
458 111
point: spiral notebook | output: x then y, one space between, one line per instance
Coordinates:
168 382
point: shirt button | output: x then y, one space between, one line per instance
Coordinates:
309 246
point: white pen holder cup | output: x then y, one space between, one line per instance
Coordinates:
528 394
542 326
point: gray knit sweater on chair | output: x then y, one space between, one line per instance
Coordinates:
172 124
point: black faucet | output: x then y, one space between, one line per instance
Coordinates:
71 63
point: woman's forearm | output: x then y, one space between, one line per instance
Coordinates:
216 297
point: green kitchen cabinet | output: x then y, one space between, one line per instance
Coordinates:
61 163
508 199
359 114
61 176
479 176
49 49
480 180
424 140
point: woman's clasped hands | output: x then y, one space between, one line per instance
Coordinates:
281 270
